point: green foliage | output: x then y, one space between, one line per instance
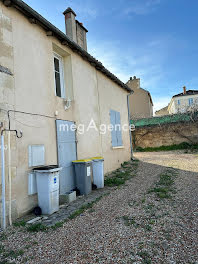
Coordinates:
148 227
57 225
120 176
168 119
37 227
145 256
180 146
3 236
165 179
161 192
113 181
9 254
86 207
19 223
128 221
76 213
125 164
163 186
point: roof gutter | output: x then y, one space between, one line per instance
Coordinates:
129 119
36 18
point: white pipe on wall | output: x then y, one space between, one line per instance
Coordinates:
3 182
10 180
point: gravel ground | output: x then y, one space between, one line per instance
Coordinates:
135 223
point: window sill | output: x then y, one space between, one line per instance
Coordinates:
118 147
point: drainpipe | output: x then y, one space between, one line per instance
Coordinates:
3 182
3 174
131 145
9 179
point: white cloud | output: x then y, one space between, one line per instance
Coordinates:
85 9
146 63
126 63
141 7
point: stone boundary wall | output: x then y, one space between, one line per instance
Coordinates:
165 134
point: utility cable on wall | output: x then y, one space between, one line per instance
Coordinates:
27 113
22 112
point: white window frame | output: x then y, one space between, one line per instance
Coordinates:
190 101
62 79
178 102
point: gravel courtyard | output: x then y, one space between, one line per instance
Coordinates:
152 218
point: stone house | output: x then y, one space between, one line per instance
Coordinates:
187 101
48 80
163 111
183 102
140 102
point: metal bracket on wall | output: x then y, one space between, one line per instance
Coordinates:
10 130
5 70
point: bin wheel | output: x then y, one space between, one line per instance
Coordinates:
37 211
94 187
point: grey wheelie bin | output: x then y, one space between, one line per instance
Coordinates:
98 171
47 179
83 174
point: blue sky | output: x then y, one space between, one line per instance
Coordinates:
155 40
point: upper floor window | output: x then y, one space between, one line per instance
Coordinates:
59 76
190 101
178 102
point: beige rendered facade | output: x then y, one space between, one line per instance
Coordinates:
27 85
141 105
184 102
187 101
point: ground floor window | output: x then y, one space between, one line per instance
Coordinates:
116 133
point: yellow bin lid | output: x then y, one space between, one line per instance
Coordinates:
97 158
82 160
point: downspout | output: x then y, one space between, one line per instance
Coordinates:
3 175
9 179
131 145
3 181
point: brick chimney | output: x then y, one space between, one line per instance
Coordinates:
184 90
134 83
74 29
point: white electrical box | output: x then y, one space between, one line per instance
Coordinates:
36 155
32 187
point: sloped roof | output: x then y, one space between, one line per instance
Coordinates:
162 109
148 95
189 92
35 17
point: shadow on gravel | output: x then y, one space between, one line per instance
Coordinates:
164 217
156 225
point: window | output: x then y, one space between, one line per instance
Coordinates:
190 101
116 133
59 76
178 102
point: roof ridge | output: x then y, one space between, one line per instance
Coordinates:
65 40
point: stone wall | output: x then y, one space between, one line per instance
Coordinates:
166 134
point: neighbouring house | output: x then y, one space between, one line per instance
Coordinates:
49 81
181 103
140 102
162 112
184 102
